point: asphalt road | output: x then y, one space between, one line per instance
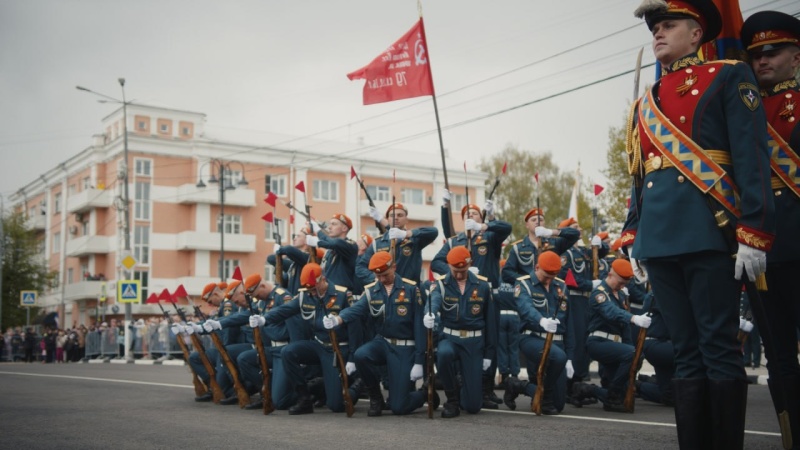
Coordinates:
119 406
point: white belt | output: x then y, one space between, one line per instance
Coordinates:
495 291
604 335
328 344
463 333
556 337
581 293
400 342
279 343
508 312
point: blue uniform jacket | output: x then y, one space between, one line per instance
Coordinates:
523 254
609 314
487 246
339 263
534 302
408 254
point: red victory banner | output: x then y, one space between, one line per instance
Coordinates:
402 71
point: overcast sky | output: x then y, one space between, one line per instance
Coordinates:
269 71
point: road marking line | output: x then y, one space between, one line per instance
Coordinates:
148 383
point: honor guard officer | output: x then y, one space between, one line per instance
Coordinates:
697 149
462 302
508 332
409 243
523 254
394 305
212 294
537 299
317 298
339 263
609 341
773 41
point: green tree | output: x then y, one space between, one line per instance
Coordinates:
24 268
614 199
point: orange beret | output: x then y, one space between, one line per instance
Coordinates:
459 257
397 206
232 287
222 285
616 245
252 282
623 268
502 263
207 290
320 254
550 262
603 235
567 222
380 262
367 239
470 206
344 219
309 275
534 212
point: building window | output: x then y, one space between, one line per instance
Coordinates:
164 126
275 184
57 203
85 228
143 167
231 177
233 224
143 277
379 193
141 125
69 275
326 190
269 273
56 242
270 229
141 205
458 201
141 244
413 196
70 190
229 267
87 183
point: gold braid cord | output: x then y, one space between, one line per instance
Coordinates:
632 143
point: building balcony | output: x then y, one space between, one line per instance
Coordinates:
89 199
197 240
191 194
37 222
88 245
429 213
83 290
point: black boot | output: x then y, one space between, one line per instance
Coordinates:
304 404
317 389
376 402
514 387
490 399
356 389
207 397
692 412
436 399
613 402
452 405
256 404
728 405
548 405
790 400
582 393
502 384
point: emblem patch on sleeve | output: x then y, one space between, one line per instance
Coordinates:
517 290
600 298
749 95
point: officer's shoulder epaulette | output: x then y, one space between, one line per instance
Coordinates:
724 61
601 288
439 277
349 241
411 282
302 290
280 290
559 279
515 242
370 285
481 277
341 288
524 277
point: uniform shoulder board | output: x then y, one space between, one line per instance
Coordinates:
524 277
515 242
341 288
439 277
559 279
481 277
349 241
371 284
601 288
411 282
280 290
302 290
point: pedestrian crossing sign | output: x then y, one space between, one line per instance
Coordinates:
129 291
28 298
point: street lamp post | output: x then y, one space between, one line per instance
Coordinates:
123 178
223 168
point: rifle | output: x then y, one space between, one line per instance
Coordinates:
378 223
348 402
629 401
393 242
466 195
241 392
200 388
536 404
278 258
266 393
429 366
216 391
491 194
305 213
595 249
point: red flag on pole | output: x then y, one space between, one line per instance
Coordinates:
153 298
237 274
291 219
569 280
301 187
402 71
166 296
352 172
536 177
271 197
268 217
180 292
505 167
598 189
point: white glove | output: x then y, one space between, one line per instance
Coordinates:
315 228
257 321
276 248
642 321
639 270
445 196
596 283
195 328
312 241
474 270
176 328
596 241
570 369
330 321
486 364
549 325
429 320
416 372
751 260
489 207
543 232
350 368
471 225
375 214
397 233
625 291
745 325
211 325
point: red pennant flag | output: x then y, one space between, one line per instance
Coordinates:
166 296
267 217
598 189
505 167
628 205
394 175
180 292
402 71
569 280
352 172
271 197
153 298
237 274
536 177
301 187
291 219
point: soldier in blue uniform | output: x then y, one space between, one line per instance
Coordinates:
316 299
394 305
363 274
697 151
523 254
462 302
213 294
609 341
772 40
658 351
541 311
339 263
508 332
